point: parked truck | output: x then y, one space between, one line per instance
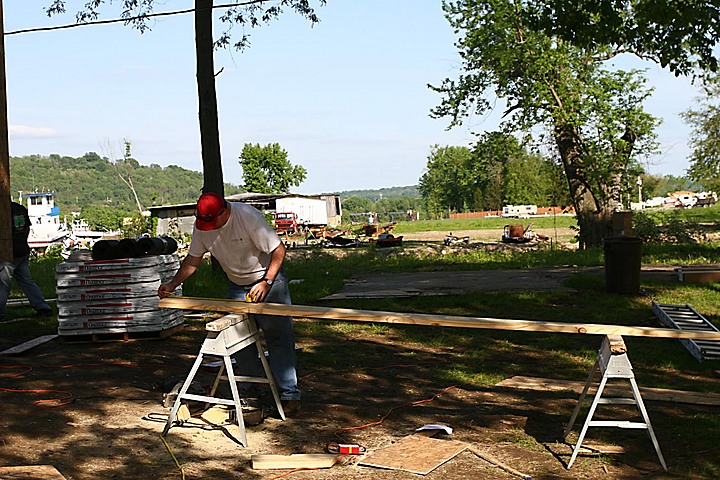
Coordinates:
295 214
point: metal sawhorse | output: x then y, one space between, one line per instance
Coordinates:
226 336
613 362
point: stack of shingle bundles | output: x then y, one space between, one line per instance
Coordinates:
115 296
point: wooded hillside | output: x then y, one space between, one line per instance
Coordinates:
92 180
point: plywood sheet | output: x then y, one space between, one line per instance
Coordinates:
416 454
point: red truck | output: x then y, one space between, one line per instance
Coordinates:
286 223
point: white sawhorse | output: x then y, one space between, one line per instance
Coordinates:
613 362
226 336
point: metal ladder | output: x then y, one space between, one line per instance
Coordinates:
612 361
227 335
685 317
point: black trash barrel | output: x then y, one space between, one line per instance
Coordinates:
622 264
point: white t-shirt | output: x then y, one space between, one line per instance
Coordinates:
243 246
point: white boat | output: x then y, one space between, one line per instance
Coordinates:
45 225
82 231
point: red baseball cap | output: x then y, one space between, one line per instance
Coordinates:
208 209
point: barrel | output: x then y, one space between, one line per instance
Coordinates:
156 245
623 257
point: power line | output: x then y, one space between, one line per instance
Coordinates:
128 19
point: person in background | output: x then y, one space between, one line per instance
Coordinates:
251 254
19 268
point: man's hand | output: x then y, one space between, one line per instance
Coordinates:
259 291
165 289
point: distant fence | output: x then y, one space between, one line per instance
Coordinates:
498 213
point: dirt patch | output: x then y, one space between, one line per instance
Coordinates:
111 428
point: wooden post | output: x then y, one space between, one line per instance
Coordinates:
5 231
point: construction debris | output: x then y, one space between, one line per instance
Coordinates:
520 234
454 240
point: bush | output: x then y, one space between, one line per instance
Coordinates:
666 228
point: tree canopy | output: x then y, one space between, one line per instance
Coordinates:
266 169
705 137
680 35
593 117
498 171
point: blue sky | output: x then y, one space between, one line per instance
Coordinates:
347 98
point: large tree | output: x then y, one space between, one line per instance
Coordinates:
681 35
592 116
705 137
251 13
266 169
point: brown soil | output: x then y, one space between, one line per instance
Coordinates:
111 427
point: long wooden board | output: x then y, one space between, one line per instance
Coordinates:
329 313
648 393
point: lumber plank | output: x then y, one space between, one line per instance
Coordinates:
648 393
23 347
296 460
224 322
31 472
329 313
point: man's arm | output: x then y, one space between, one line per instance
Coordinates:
188 266
260 290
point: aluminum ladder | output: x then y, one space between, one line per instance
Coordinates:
613 363
227 335
685 317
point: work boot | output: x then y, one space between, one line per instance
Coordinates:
252 414
290 407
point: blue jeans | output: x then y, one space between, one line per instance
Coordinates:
19 269
279 339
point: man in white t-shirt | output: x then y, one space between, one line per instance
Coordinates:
252 255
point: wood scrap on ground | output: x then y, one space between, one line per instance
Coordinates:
648 393
31 472
489 458
23 347
415 453
296 460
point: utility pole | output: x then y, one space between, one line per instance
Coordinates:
5 230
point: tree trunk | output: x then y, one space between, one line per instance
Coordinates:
207 98
594 217
5 220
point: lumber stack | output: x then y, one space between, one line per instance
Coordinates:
114 296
